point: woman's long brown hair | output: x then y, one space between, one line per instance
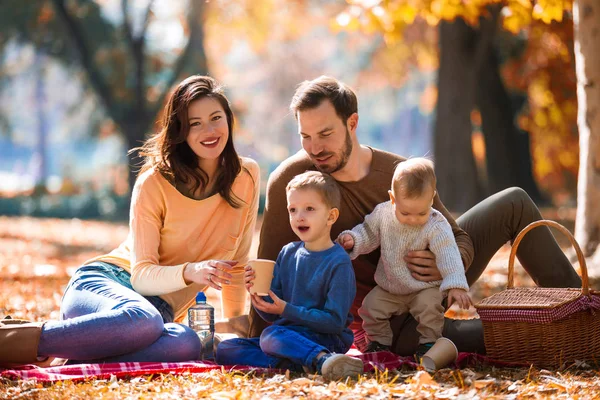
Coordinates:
169 153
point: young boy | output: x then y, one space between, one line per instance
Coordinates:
311 293
406 223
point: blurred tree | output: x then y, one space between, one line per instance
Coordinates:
130 77
42 123
469 77
544 70
587 36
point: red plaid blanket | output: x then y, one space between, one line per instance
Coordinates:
381 361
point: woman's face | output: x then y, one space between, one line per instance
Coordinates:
209 130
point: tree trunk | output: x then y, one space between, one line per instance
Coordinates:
586 21
461 52
135 134
41 173
134 115
508 157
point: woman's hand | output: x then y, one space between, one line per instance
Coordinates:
276 307
460 297
346 241
249 276
423 266
212 273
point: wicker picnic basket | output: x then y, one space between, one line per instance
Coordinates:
542 326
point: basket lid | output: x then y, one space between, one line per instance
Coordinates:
529 298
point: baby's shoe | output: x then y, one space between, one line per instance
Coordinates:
375 346
421 350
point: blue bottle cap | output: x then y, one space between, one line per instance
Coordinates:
200 297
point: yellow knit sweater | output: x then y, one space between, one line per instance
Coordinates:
167 230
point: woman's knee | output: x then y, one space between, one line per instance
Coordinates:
188 346
146 323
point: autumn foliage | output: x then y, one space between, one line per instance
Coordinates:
537 46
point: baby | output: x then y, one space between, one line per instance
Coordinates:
407 223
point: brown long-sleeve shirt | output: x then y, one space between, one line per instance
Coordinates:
358 199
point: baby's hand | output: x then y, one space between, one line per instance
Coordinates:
346 241
461 297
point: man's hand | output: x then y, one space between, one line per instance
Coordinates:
423 266
275 308
461 297
346 241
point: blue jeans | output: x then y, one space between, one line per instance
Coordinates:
105 320
289 347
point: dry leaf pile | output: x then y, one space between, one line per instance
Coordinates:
445 384
37 256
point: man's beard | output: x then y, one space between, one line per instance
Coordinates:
344 156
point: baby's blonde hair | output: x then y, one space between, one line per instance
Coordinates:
323 183
413 177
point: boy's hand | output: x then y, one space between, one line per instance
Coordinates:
249 276
346 241
461 297
276 307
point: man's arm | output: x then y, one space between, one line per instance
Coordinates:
463 240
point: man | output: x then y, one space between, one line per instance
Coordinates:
327 115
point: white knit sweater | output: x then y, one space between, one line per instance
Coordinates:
382 229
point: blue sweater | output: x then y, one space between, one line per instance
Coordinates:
319 288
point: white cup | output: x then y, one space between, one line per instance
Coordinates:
442 353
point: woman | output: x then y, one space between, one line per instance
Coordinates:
194 203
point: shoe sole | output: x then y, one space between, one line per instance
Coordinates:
340 366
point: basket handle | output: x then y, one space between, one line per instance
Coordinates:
585 289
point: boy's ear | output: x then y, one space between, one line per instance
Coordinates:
334 213
392 199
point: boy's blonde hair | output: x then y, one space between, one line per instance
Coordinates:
413 177
323 183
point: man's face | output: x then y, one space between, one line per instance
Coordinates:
325 137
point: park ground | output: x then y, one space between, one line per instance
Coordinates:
37 257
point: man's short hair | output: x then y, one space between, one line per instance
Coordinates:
413 177
323 183
310 94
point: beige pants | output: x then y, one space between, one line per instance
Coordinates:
380 305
